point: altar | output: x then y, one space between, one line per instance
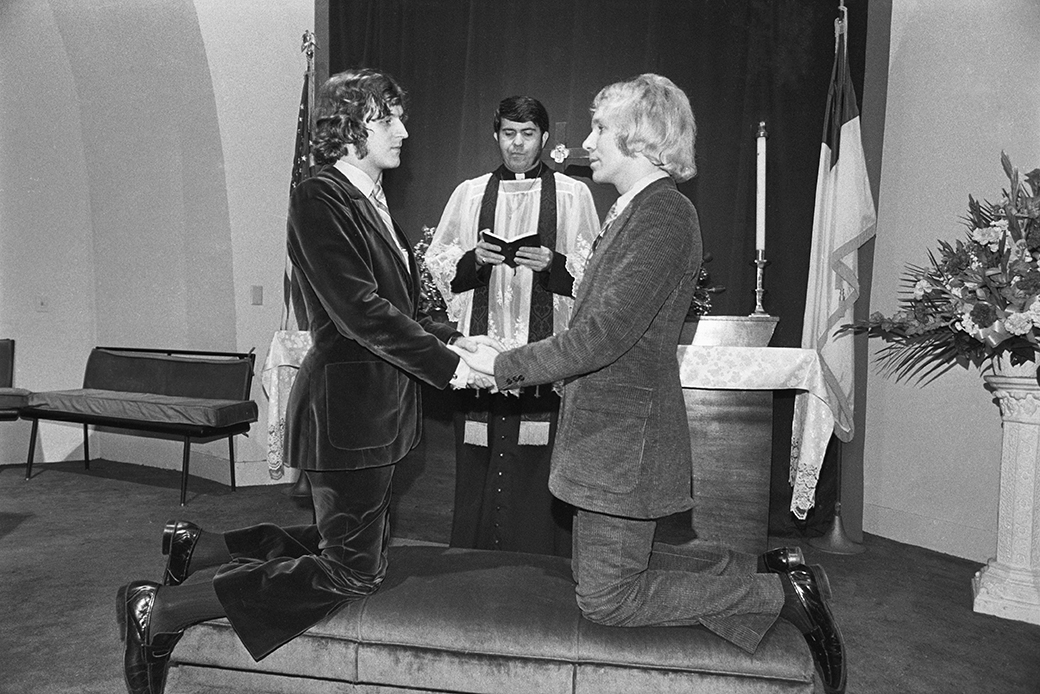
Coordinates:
728 392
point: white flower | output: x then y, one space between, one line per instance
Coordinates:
989 236
1034 312
1018 323
967 324
922 287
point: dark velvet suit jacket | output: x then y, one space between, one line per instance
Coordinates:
356 401
623 442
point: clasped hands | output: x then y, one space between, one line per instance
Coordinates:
479 353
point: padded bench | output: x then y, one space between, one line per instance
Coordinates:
191 394
459 620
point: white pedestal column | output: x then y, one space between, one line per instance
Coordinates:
1009 585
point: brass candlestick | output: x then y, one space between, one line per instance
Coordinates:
760 265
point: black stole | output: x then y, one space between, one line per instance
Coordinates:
540 324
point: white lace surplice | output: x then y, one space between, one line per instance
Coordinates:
509 297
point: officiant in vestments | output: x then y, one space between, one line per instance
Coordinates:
503 444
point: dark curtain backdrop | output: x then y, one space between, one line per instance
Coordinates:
740 62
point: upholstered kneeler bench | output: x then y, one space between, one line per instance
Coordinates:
454 620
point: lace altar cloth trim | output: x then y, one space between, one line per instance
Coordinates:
288 348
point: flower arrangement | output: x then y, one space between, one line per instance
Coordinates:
431 302
702 295
977 300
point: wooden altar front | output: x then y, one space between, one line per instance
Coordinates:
729 404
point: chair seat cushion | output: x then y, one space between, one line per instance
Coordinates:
147 407
13 398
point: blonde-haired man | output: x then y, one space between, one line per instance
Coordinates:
622 452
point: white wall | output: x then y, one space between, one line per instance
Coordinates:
46 232
145 153
961 88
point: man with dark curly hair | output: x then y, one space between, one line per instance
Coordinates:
354 411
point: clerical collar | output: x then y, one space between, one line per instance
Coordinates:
506 175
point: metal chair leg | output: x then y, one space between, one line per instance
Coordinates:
184 471
86 447
32 449
231 459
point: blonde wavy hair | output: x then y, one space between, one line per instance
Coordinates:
653 117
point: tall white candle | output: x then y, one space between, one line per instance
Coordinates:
760 198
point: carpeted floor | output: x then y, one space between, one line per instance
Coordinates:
69 538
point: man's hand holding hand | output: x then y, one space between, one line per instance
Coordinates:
479 352
471 343
482 359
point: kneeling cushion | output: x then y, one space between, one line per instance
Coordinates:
459 620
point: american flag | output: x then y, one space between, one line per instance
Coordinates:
303 168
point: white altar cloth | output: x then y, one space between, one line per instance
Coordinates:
773 368
288 348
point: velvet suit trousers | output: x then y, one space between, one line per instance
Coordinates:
282 581
626 579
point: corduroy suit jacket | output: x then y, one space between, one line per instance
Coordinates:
623 442
356 401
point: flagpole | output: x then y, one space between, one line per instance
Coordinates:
300 491
836 541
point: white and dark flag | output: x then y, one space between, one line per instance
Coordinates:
843 221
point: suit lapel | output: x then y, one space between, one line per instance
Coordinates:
610 239
374 221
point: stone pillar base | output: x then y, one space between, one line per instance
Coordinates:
1005 592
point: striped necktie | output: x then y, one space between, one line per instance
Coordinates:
611 216
379 200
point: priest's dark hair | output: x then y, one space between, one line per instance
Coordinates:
522 109
345 103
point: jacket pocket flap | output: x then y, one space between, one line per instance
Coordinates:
616 399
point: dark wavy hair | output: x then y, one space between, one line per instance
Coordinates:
344 103
522 109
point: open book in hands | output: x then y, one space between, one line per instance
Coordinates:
509 248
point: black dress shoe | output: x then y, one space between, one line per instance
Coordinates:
806 607
146 657
178 543
780 560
